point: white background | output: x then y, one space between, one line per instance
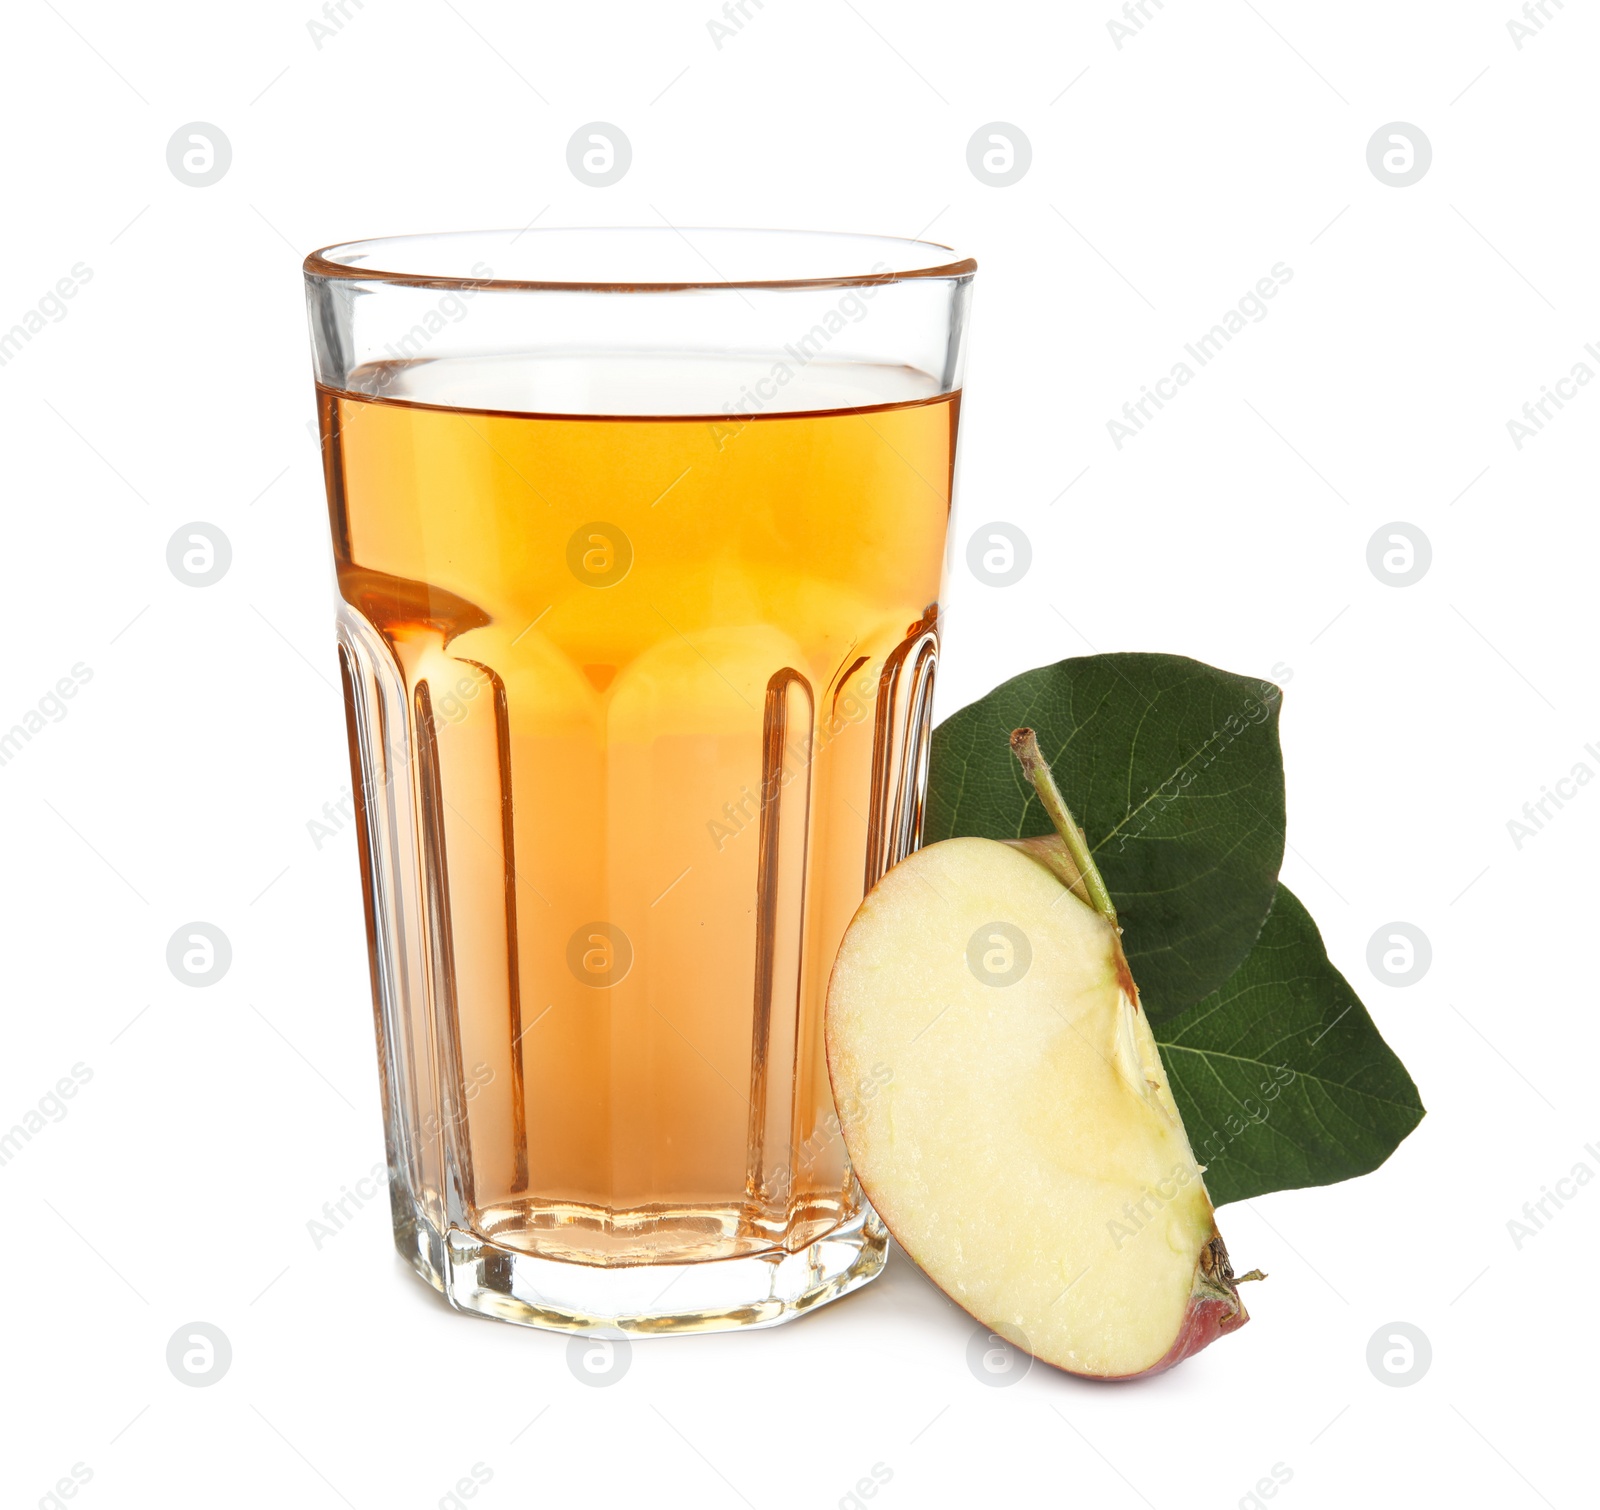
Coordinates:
1167 177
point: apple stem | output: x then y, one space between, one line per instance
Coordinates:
1025 746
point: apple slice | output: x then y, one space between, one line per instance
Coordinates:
1006 1110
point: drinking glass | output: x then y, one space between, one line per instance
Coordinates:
638 538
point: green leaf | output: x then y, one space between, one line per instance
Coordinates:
1174 772
1282 1078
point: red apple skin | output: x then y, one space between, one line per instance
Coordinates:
1214 1306
1207 1320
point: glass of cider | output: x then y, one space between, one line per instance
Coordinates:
639 537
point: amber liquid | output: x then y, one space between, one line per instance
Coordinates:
644 669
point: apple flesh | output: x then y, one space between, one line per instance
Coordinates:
1022 1143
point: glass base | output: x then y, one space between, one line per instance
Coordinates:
757 1290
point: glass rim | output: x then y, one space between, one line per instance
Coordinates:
325 262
